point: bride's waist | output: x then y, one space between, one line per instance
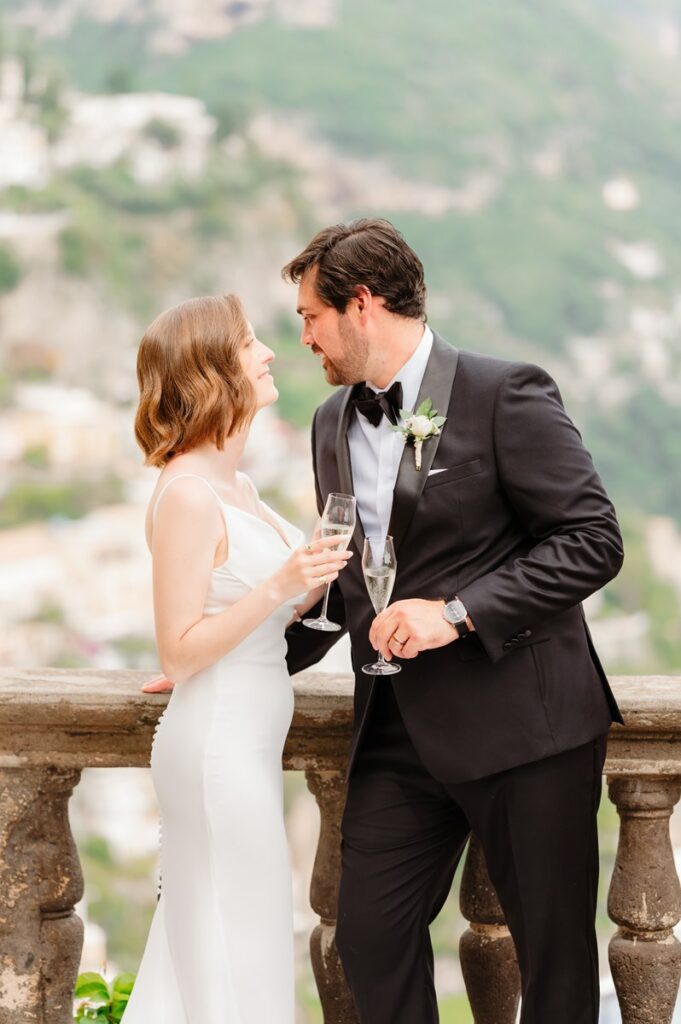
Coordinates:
262 647
243 666
265 643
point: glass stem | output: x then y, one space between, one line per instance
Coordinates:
381 659
326 601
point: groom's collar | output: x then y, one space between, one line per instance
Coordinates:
410 374
437 384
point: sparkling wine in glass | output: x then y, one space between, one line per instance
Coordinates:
379 566
338 520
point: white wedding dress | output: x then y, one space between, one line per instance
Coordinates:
220 946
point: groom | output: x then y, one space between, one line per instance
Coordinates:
497 722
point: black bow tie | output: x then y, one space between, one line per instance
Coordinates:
375 405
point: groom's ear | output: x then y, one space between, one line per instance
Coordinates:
363 300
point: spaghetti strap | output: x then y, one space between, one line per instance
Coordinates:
179 477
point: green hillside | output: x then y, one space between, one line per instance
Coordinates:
442 93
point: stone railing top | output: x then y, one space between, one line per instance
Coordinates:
84 717
96 718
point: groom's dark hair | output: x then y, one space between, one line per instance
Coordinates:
365 252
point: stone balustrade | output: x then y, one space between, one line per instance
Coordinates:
55 722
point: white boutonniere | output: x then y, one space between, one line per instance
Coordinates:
416 427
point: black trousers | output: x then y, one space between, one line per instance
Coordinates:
403 834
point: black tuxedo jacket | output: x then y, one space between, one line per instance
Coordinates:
519 526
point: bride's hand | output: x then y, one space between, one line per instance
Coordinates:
159 684
311 566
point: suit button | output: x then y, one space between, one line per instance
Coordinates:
528 632
515 641
508 646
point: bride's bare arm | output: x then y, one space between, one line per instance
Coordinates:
187 531
160 684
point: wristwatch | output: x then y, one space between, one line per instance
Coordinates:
455 613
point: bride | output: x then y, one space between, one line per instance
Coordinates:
229 573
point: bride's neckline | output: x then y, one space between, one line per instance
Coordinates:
259 518
229 504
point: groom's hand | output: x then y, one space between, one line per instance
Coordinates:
416 622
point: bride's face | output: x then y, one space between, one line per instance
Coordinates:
255 360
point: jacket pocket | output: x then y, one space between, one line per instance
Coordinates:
542 687
452 473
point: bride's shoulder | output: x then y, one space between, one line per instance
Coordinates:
260 507
187 503
250 498
187 495
245 480
246 486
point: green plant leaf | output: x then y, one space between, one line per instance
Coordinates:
92 1015
122 984
118 1008
425 407
439 420
92 986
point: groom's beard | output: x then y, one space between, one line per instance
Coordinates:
350 368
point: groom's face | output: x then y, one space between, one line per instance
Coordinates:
335 338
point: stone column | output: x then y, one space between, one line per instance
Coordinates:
40 881
645 901
486 951
328 788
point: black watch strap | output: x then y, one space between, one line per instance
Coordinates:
462 628
460 624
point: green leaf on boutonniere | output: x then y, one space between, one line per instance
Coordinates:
425 408
417 427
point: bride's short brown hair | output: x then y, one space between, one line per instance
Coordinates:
191 383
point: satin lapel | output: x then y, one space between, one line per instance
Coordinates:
343 462
437 384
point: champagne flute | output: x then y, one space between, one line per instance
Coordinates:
379 566
338 520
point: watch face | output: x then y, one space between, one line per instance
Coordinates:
455 611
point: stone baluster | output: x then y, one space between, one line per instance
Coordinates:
486 951
328 788
40 881
645 901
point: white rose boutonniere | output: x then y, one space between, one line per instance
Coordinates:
416 427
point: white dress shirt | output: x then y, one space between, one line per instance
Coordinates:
375 452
